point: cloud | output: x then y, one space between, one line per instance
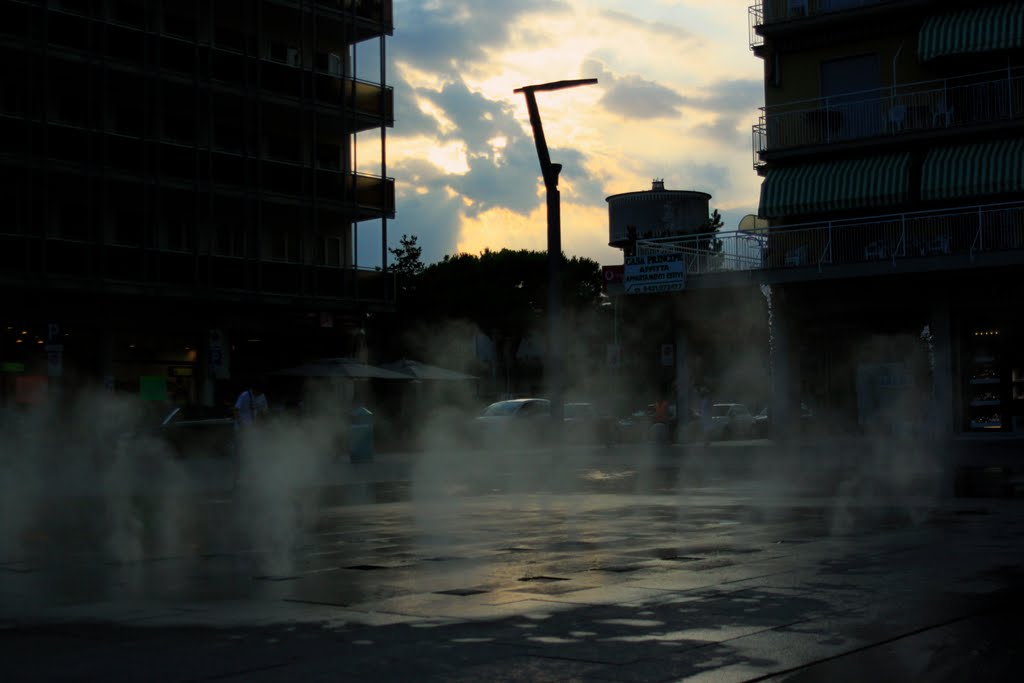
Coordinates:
462 151
654 28
448 37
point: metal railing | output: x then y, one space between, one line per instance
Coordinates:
755 18
776 11
927 234
927 105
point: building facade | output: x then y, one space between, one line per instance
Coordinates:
892 149
182 189
890 236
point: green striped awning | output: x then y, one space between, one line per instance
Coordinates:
964 171
835 186
980 29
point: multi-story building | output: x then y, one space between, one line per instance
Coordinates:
182 190
891 145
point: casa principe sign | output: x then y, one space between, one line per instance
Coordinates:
654 273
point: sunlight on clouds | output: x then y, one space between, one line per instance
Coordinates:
444 124
449 157
584 231
418 78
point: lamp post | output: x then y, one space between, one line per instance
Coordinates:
555 361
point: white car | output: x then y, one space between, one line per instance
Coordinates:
731 421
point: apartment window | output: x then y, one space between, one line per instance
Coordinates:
286 245
128 226
851 87
128 12
182 25
328 157
178 231
329 62
73 221
333 252
286 53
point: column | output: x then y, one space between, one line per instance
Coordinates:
785 364
943 409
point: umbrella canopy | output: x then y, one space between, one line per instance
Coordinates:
341 367
422 371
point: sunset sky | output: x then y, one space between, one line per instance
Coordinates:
677 93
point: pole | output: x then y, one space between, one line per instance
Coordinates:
555 358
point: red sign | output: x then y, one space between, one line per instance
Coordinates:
613 274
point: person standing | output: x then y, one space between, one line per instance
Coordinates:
250 409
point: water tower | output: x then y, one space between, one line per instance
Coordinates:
655 213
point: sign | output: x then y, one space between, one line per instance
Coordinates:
218 356
153 388
612 276
52 333
180 371
54 359
654 273
12 366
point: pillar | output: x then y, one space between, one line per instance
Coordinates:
785 364
943 396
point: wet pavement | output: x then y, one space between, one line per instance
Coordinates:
737 563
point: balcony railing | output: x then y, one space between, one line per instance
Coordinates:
776 11
928 105
966 231
81 263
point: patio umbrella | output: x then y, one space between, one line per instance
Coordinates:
341 367
417 370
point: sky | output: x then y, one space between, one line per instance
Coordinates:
678 90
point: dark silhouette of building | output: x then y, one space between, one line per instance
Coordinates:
182 190
892 149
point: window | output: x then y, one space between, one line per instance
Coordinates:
333 252
286 245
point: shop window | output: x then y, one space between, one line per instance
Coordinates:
985 390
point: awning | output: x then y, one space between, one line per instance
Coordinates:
835 186
980 29
964 171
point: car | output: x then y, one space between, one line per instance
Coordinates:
518 421
730 421
525 422
199 430
763 421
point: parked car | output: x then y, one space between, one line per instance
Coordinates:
763 421
730 421
199 430
526 422
518 421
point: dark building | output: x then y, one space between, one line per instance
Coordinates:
892 149
890 232
182 190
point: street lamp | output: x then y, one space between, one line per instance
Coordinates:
555 362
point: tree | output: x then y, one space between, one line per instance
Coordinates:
504 293
408 264
709 243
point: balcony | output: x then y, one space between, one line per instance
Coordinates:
893 239
777 11
978 99
370 196
78 264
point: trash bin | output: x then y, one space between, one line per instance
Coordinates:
360 435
